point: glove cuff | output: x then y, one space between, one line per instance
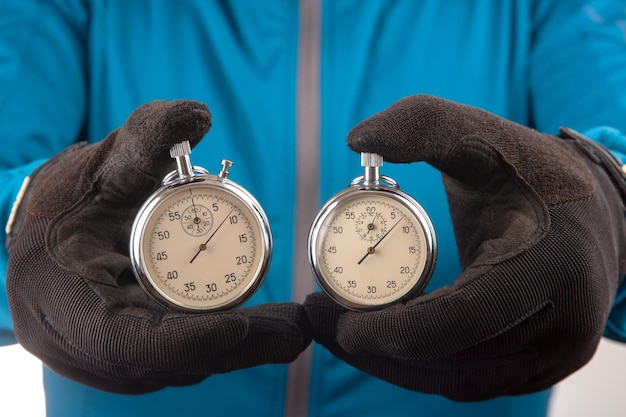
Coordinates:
600 155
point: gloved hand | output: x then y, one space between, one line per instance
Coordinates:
75 302
541 235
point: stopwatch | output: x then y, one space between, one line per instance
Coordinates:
371 244
201 242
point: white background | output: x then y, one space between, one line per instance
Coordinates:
595 390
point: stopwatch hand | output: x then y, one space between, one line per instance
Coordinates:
204 245
372 249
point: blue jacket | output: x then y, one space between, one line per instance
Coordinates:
278 77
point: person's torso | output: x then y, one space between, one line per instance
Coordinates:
241 58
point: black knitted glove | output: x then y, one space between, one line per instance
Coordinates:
541 235
74 300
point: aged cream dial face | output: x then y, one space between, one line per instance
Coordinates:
371 248
201 247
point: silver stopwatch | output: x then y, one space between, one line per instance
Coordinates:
372 245
200 242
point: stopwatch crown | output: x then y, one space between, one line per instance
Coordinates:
371 162
181 152
369 159
180 149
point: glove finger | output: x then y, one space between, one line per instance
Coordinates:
404 348
439 324
151 130
425 128
324 315
129 163
176 350
496 366
126 166
434 326
277 333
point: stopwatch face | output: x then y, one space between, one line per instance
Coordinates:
371 248
201 246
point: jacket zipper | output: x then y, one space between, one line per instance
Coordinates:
307 190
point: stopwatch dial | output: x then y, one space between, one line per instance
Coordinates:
214 259
382 259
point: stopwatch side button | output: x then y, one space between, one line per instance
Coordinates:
226 164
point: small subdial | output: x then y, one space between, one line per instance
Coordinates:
196 220
371 226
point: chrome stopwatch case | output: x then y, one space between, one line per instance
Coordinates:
201 242
372 245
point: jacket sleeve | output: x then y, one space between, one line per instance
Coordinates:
43 90
578 64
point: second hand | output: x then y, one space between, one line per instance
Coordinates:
372 249
204 245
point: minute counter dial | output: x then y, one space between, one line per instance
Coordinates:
371 224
